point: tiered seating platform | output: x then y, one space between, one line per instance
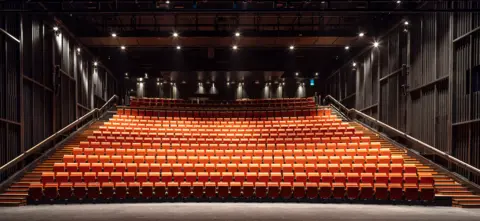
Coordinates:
143 154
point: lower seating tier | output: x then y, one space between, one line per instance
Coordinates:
224 190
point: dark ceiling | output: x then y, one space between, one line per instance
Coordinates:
319 30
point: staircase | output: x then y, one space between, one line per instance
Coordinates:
16 194
461 195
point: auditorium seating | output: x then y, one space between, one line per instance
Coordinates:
136 155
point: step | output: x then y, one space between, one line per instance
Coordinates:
471 206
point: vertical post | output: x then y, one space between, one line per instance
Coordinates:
20 78
450 89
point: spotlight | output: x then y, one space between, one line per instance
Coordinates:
347 47
55 28
175 34
178 47
234 47
95 64
123 47
406 23
237 34
291 47
114 35
354 64
361 34
376 44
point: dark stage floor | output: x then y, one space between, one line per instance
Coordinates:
234 211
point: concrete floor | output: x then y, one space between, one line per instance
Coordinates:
234 211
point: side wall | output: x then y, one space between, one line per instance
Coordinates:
423 79
45 82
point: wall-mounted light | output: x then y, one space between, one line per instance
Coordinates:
406 23
126 74
347 47
175 34
291 47
114 34
234 47
399 2
354 64
123 47
296 73
167 2
79 49
179 47
376 44
237 34
55 28
316 73
361 34
95 64
158 83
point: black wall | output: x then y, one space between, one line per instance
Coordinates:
45 82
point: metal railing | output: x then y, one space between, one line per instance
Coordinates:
95 114
437 152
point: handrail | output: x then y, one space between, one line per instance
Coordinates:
35 148
447 156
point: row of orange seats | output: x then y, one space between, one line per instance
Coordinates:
327 177
383 154
223 114
232 167
260 113
319 120
219 141
269 147
247 190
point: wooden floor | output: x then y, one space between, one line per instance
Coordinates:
16 195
